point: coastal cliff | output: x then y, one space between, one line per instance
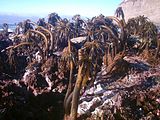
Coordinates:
148 8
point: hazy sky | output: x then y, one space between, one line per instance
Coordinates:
40 8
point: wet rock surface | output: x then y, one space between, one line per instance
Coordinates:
115 97
33 97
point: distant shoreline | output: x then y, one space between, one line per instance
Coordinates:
11 27
15 19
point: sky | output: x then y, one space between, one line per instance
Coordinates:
41 8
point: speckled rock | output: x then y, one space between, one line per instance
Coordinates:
148 8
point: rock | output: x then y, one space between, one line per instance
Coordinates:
78 39
148 8
105 97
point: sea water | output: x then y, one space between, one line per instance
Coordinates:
11 27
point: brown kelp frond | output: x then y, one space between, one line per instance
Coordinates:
23 43
119 22
118 66
33 23
20 44
43 35
108 29
10 47
51 36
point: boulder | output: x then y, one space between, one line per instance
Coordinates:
148 8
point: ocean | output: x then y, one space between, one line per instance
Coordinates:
10 29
